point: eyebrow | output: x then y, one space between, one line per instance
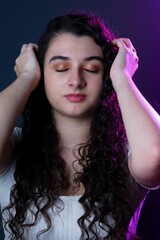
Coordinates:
91 58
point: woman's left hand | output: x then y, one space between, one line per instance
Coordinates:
126 61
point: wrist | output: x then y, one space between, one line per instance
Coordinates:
120 80
29 80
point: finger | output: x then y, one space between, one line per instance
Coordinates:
124 41
23 48
127 42
137 59
33 46
16 70
129 45
119 43
29 45
134 52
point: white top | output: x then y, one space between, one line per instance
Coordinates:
64 216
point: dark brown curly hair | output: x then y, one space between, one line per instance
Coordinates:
41 172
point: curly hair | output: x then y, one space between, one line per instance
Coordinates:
41 172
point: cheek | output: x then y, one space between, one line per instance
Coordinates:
49 86
98 87
50 82
95 92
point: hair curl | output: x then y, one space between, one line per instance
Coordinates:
40 171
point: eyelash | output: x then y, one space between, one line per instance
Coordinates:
63 70
90 71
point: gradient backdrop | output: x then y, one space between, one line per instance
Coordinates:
22 21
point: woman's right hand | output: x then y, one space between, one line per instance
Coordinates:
27 65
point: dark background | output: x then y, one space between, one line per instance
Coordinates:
23 22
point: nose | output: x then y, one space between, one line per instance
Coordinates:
76 80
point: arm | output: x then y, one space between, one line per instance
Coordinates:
14 97
142 123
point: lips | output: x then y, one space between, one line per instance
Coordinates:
75 97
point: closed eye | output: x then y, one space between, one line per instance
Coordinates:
62 70
92 71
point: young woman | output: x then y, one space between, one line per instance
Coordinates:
89 148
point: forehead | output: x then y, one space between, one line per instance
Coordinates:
69 44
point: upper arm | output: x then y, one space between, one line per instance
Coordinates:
7 154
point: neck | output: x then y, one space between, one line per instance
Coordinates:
73 131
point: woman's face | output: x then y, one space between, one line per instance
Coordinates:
73 71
